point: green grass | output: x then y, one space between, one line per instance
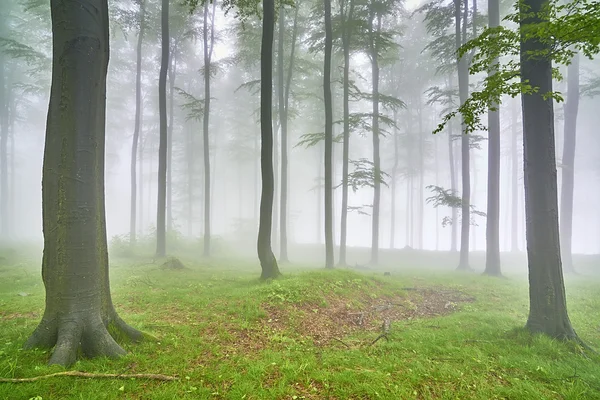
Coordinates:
228 335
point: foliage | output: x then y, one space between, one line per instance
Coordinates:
363 174
447 198
566 28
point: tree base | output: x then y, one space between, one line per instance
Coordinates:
71 333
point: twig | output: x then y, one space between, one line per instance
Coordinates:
383 335
159 377
342 342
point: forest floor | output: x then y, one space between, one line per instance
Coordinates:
313 334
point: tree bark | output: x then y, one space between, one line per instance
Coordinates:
136 129
514 244
172 74
376 156
284 97
208 51
394 178
347 35
79 312
267 259
4 100
548 306
492 254
568 165
463 88
454 227
161 240
328 138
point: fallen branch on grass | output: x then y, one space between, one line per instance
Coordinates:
159 377
385 328
342 342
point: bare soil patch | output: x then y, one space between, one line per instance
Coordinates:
340 317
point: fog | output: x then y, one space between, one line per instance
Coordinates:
234 141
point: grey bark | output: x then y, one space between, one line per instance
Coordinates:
136 129
463 88
492 254
329 258
268 262
161 240
568 164
346 38
79 312
547 300
208 51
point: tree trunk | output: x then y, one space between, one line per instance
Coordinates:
172 73
394 178
492 233
328 138
284 95
463 88
548 306
205 120
189 151
4 99
568 164
136 129
454 227
79 312
376 157
421 178
347 34
268 262
514 244
161 242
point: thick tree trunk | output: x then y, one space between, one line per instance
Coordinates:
172 74
376 156
161 240
568 165
268 262
548 306
463 88
328 138
492 254
347 35
136 129
79 312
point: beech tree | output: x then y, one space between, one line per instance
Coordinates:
79 310
267 259
161 239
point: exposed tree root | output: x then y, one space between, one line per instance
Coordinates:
79 374
71 333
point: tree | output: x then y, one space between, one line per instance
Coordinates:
547 300
328 138
208 52
346 16
547 32
79 311
136 129
568 164
267 259
463 89
161 245
492 252
284 97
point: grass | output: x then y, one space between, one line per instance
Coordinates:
229 336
